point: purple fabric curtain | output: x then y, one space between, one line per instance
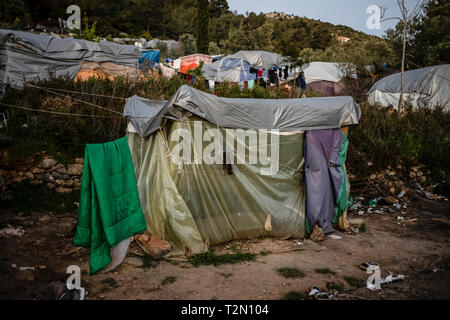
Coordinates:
323 176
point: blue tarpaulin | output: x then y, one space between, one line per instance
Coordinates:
153 56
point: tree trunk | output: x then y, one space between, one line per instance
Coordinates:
402 89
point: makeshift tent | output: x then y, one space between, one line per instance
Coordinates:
166 71
153 56
425 87
195 204
261 59
227 69
325 77
186 67
193 61
26 56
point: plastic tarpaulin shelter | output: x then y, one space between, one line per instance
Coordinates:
153 56
282 114
325 77
425 87
26 56
195 205
260 59
323 71
193 61
185 67
228 69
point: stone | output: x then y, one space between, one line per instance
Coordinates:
373 177
317 235
48 178
143 238
75 169
69 183
59 176
392 190
63 190
36 182
57 166
76 183
62 170
37 170
48 163
79 160
156 247
50 185
18 179
388 201
60 182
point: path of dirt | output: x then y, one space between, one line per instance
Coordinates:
419 249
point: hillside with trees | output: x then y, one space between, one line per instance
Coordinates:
211 27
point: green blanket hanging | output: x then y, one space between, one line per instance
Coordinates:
110 210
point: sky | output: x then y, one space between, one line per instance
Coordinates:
351 13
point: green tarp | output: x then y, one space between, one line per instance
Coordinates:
110 210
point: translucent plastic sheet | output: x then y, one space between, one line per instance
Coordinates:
201 204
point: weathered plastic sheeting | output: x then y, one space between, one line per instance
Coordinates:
327 88
427 87
261 59
18 66
282 114
323 71
154 56
72 49
26 56
165 211
228 69
202 204
144 114
325 177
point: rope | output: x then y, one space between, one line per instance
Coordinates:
79 92
58 112
75 99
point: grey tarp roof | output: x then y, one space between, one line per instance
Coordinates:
261 59
282 114
26 56
228 69
145 114
432 82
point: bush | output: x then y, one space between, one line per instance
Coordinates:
384 138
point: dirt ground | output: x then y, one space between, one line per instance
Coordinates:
418 249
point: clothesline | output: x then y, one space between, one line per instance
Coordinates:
75 99
78 92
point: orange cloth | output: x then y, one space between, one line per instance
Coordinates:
345 130
185 67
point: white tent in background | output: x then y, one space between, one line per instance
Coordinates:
260 59
228 69
425 87
325 77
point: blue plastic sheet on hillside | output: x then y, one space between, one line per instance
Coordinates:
153 56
